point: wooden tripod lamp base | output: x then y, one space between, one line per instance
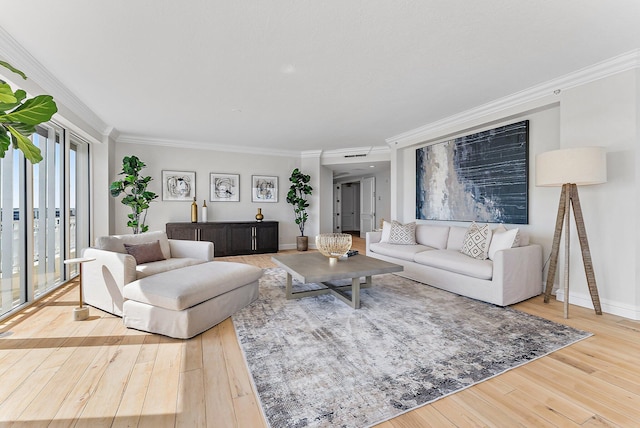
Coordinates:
569 168
569 198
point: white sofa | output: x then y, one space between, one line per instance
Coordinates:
514 274
180 296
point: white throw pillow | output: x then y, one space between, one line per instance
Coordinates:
402 234
502 241
476 241
386 232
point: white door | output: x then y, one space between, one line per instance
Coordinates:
348 208
367 205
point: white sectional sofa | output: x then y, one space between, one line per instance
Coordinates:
180 294
513 275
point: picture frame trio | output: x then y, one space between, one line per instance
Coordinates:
181 186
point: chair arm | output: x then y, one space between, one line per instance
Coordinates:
181 248
372 238
104 279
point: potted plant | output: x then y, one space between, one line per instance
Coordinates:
136 195
20 116
297 197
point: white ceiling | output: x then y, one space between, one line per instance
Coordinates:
308 75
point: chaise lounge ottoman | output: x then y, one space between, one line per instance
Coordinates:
184 302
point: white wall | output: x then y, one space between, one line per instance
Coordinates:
204 162
603 112
102 208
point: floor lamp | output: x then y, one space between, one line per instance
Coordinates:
571 168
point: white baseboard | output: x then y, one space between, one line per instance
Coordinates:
608 306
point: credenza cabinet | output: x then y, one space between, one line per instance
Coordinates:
232 238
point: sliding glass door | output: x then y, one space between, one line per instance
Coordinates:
54 192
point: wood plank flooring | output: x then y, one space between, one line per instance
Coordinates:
55 372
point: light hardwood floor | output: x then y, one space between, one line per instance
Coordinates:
57 372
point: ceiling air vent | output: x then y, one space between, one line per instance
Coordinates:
360 155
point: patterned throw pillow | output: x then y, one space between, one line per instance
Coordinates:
476 241
403 234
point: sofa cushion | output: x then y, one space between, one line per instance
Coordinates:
386 231
432 236
503 239
116 242
153 268
145 253
183 288
476 241
455 261
404 252
403 234
456 238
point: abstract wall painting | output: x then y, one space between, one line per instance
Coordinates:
480 177
264 188
224 187
178 185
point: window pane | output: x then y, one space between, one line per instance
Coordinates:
78 198
12 290
48 233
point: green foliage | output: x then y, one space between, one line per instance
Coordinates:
136 195
297 196
20 116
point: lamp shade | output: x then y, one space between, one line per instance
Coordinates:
581 166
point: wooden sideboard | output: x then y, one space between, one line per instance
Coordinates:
231 238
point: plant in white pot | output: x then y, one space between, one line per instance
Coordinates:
297 196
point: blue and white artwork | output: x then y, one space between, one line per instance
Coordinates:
480 177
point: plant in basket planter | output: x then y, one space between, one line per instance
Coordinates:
134 187
297 196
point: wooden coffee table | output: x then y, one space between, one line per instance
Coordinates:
315 268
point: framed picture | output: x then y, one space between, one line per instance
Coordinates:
479 177
264 188
178 185
224 187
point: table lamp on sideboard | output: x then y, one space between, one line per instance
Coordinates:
571 168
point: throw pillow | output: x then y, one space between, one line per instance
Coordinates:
476 241
386 232
502 241
145 253
403 234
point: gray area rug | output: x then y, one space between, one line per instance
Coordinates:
316 362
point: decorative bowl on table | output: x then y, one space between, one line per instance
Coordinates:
333 245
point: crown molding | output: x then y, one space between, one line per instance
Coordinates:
311 154
538 93
13 52
132 139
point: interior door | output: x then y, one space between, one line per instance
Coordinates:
348 208
367 205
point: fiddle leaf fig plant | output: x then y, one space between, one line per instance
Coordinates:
19 117
136 195
297 196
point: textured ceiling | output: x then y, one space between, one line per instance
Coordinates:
307 75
